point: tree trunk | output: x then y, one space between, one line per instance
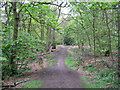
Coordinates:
15 36
48 45
109 36
29 26
24 26
53 40
8 19
94 40
8 14
42 31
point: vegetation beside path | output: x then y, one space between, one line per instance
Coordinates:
92 76
30 30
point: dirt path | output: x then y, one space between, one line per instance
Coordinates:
59 75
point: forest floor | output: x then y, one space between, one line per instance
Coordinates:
59 70
57 75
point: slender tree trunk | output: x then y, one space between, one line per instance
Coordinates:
88 38
48 45
94 40
84 30
53 40
8 15
24 26
8 19
16 21
98 40
109 36
15 36
42 31
29 26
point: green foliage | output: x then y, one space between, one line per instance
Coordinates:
81 26
77 28
5 67
26 44
32 18
70 62
97 77
68 40
93 84
76 50
33 84
89 68
100 78
44 14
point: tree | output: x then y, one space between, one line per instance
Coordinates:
15 36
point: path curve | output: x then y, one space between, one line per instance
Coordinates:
59 75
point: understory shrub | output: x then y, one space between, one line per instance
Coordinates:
68 40
25 46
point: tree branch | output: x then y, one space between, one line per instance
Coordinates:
50 3
3 5
32 16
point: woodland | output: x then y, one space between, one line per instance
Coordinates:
32 31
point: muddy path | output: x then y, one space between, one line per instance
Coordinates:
59 75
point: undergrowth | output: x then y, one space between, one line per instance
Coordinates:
70 62
100 78
97 77
50 62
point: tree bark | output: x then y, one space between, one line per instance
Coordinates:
15 36
48 45
109 37
42 31
53 40
94 40
29 26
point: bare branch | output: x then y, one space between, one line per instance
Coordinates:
3 5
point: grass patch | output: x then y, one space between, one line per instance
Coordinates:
100 78
93 83
33 84
97 77
51 62
70 62
76 50
90 68
49 55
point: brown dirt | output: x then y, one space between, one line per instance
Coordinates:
57 76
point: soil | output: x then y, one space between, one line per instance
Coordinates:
58 75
